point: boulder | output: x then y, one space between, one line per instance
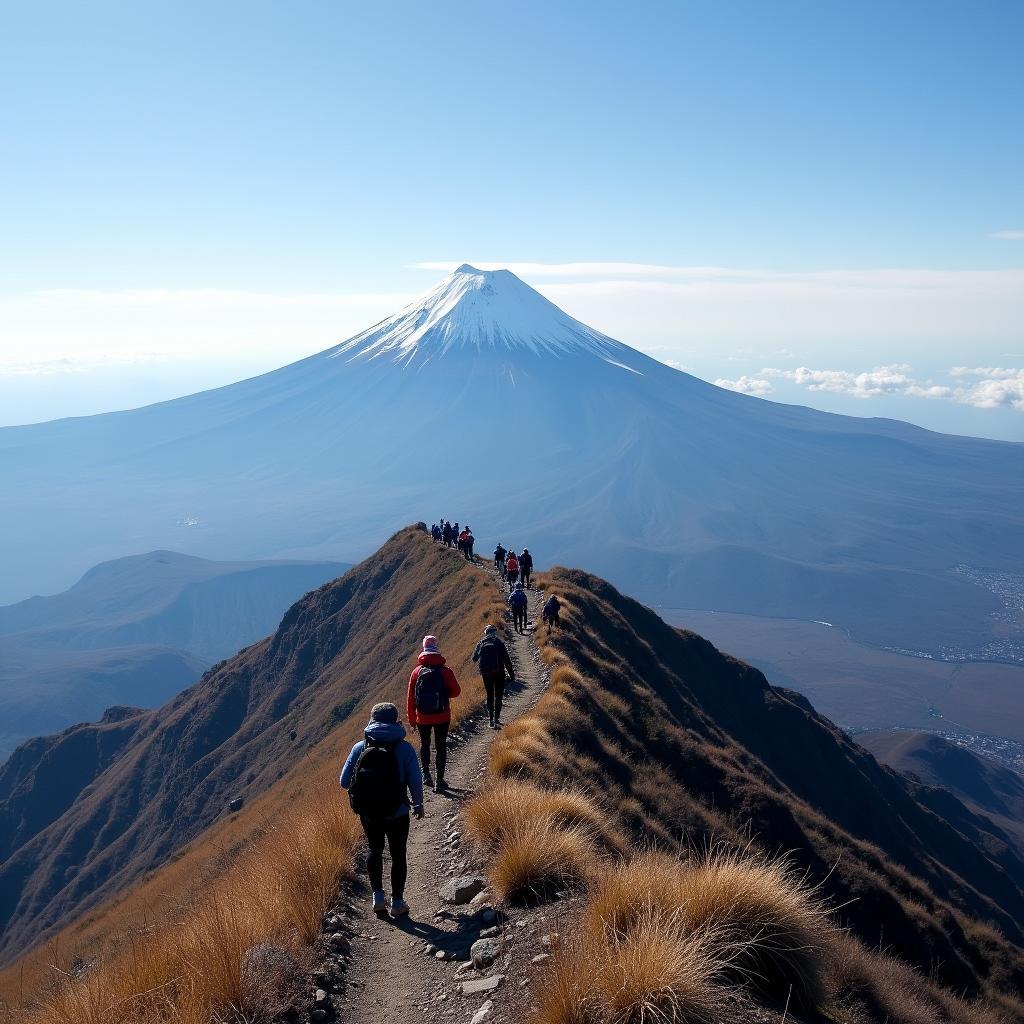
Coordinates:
461 890
483 953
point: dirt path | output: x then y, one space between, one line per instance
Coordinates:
391 975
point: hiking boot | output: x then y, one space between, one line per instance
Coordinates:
399 908
440 786
428 779
380 903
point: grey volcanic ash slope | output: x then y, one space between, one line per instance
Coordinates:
485 396
87 813
136 631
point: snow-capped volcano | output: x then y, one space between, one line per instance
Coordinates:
482 310
538 430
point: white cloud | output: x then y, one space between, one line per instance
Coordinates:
997 372
988 387
995 392
747 385
1009 235
882 380
929 391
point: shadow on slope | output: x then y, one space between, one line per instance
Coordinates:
247 723
681 741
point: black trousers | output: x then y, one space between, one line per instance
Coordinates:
494 686
519 618
395 831
526 574
440 734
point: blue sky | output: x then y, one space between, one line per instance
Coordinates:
190 193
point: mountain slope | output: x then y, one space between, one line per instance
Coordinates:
982 785
680 740
235 733
672 737
686 494
135 631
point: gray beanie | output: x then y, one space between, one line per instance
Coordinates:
386 713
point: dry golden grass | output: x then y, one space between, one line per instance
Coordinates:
506 803
536 860
882 987
191 968
264 875
657 973
777 920
773 925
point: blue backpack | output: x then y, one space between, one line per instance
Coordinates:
518 599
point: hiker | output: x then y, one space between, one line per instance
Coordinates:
468 549
526 567
384 782
432 685
464 542
549 614
511 569
518 602
435 532
446 534
499 559
492 656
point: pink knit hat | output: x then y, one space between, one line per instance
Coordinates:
430 645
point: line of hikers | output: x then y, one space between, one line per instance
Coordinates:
450 536
382 774
513 568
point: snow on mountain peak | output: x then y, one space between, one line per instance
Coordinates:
482 310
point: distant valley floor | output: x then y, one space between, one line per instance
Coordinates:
861 687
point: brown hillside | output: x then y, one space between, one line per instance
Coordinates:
941 768
291 703
679 741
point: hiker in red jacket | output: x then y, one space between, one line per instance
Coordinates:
512 569
432 685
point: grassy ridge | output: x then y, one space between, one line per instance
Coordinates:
172 947
685 916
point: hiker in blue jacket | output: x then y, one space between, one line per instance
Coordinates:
518 602
383 779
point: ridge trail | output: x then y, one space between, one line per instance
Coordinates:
390 977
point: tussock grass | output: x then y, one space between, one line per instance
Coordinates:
536 860
500 809
778 920
657 973
770 924
885 988
191 969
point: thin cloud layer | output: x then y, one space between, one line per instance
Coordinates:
747 385
984 387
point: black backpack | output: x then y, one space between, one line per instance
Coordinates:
431 692
377 790
491 655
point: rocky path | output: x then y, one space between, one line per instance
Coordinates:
418 969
